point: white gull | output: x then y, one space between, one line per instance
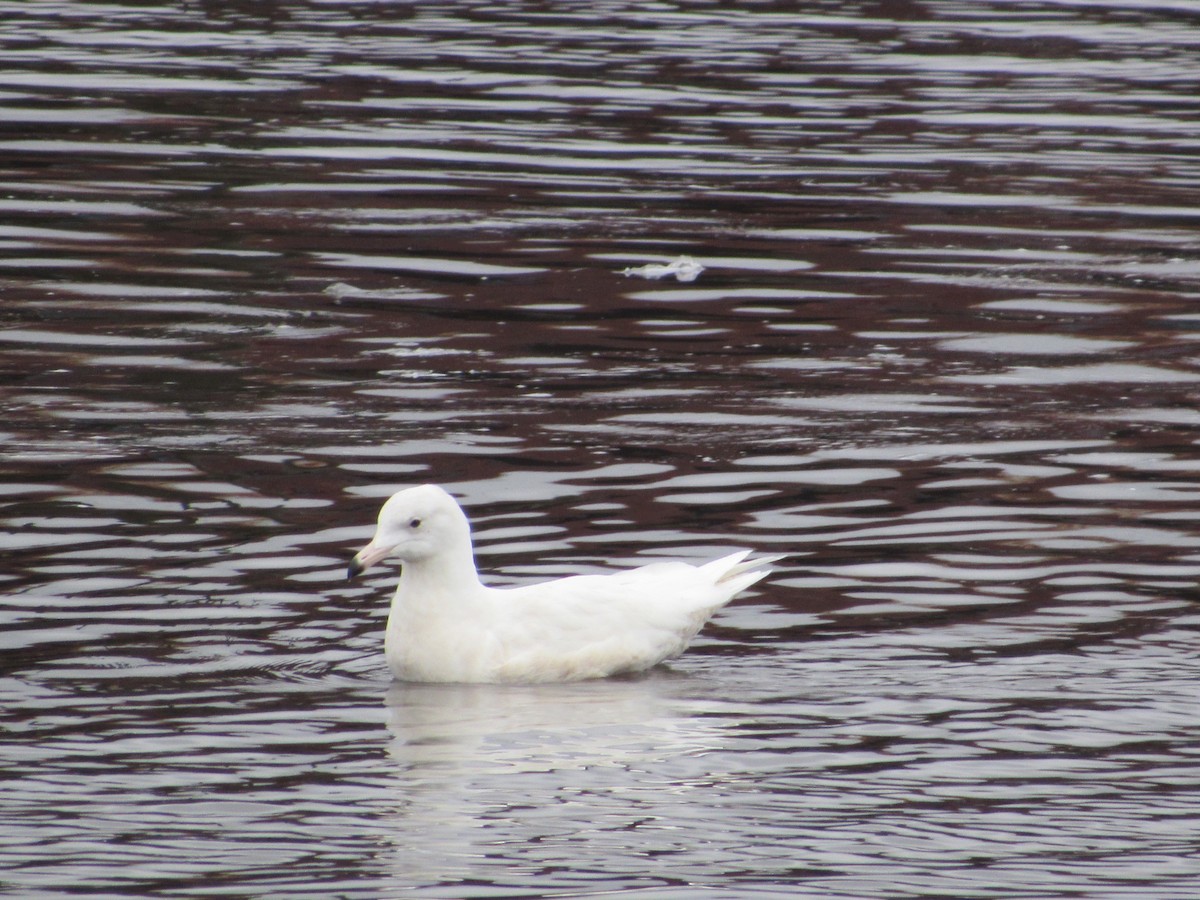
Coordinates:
445 625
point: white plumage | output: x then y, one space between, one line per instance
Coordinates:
445 625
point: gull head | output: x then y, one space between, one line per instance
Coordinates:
414 525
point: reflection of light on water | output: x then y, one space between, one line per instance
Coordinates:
474 731
481 767
943 351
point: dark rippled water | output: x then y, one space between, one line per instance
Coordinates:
263 263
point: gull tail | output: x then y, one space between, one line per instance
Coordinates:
736 572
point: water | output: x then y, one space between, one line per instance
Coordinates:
261 264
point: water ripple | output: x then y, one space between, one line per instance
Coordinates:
262 266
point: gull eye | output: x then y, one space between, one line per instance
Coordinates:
414 523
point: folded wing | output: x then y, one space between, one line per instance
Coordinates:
589 626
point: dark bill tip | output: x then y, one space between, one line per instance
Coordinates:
355 568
